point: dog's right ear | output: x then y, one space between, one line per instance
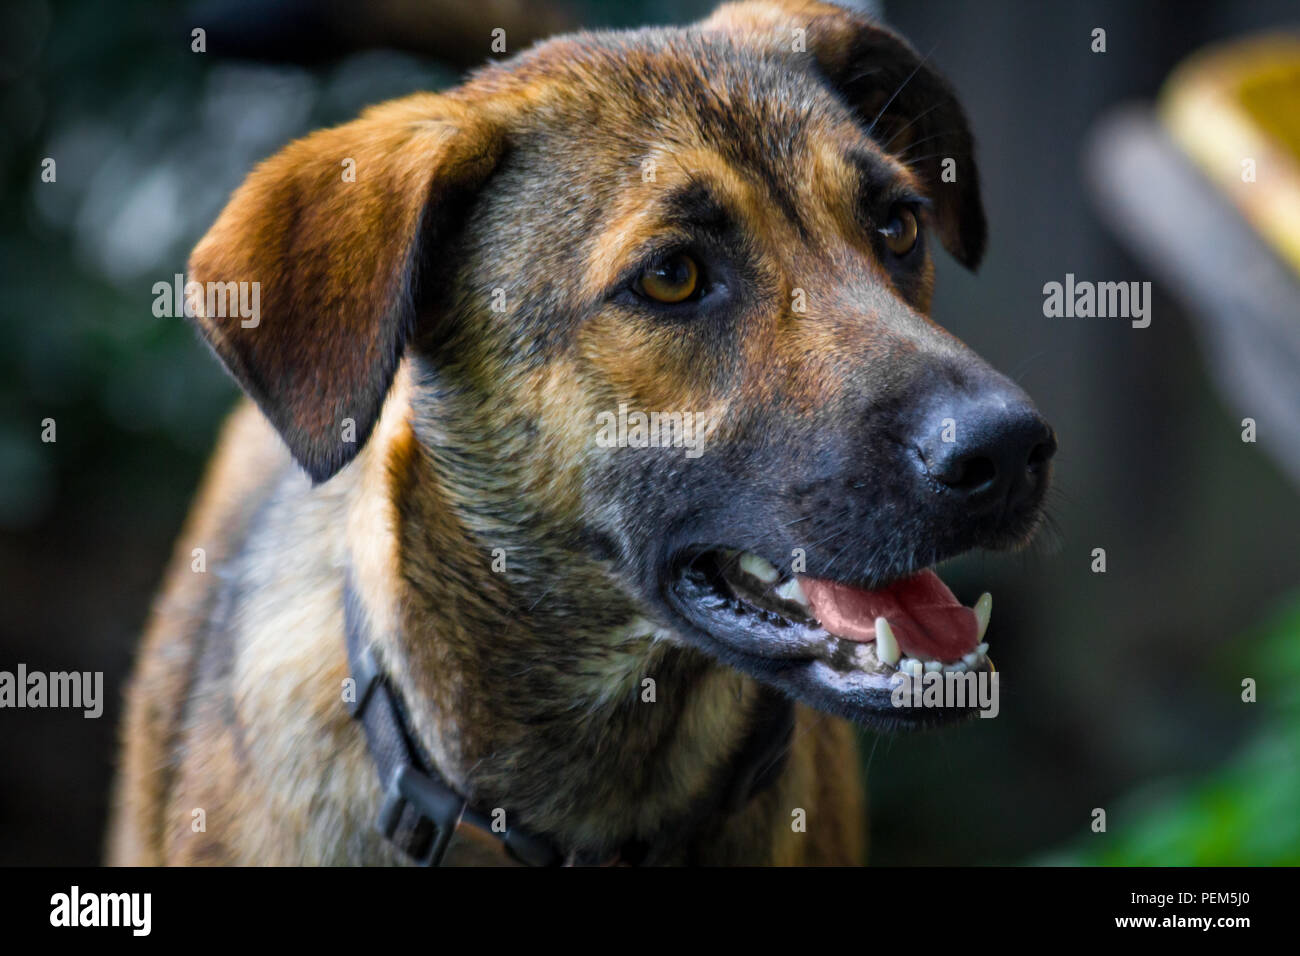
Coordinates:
330 230
897 96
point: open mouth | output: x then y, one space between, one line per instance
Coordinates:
839 646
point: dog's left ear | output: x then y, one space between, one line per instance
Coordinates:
905 105
329 235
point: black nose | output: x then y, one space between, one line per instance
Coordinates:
986 444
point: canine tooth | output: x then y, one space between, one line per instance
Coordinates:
751 563
790 591
886 644
983 611
982 649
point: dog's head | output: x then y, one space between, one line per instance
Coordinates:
666 295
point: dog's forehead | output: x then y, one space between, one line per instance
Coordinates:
637 91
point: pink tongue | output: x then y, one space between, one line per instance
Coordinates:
925 617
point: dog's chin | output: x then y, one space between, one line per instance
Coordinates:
819 640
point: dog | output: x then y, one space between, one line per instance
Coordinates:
446 597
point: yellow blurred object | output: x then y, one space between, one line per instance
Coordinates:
1235 110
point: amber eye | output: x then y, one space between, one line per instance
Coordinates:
673 279
900 229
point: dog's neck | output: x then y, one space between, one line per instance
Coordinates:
529 679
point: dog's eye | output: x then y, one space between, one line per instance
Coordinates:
900 229
672 279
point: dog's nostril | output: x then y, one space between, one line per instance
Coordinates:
971 474
1040 455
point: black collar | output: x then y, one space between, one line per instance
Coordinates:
421 811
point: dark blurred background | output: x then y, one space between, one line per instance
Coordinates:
1120 690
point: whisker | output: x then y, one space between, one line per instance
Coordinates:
889 102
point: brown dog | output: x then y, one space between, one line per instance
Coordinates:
567 628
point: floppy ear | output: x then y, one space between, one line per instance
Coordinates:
331 230
907 107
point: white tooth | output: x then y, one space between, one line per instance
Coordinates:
886 643
933 666
790 591
982 649
958 668
972 658
912 666
983 611
751 563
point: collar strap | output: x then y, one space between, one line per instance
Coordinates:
422 812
